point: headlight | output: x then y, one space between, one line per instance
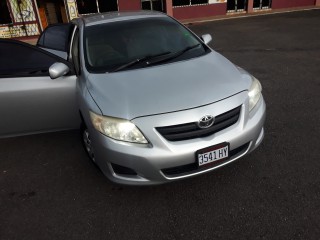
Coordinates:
254 93
116 128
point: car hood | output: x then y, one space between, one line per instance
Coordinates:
167 88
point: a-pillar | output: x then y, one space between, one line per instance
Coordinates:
250 6
169 7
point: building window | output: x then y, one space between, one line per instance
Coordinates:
261 4
87 6
193 2
108 6
156 5
100 6
176 3
236 5
4 13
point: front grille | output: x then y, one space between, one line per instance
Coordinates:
193 167
191 130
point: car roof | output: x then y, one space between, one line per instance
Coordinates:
99 18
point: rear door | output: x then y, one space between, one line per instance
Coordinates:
30 101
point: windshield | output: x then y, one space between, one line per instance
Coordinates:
133 43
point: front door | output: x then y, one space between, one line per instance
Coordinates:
30 101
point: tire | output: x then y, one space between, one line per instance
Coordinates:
86 142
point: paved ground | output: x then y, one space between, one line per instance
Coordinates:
49 189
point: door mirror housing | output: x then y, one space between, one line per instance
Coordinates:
58 70
206 38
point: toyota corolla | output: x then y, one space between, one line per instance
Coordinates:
156 103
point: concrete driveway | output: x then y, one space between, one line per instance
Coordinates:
50 190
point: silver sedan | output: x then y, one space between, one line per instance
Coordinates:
155 102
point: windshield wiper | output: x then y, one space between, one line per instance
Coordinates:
179 53
150 57
139 60
175 54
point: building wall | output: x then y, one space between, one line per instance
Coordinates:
276 4
27 22
125 5
199 11
215 8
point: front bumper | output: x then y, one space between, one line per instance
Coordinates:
164 161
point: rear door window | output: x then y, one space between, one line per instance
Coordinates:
56 37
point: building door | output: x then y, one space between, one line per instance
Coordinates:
236 5
52 12
261 4
155 5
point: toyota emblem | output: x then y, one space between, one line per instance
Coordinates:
206 121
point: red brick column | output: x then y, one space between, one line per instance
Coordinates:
317 3
169 7
250 6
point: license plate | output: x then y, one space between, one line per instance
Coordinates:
213 153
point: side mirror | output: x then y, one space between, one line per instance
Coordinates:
206 38
58 69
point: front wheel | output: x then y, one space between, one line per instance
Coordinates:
86 141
